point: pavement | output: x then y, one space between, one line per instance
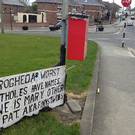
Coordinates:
110 108
86 124
115 108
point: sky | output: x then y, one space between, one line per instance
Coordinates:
116 1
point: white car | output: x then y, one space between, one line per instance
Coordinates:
123 18
132 17
130 22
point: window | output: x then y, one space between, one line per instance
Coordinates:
24 18
32 18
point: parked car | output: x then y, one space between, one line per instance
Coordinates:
57 26
130 22
100 28
123 18
132 17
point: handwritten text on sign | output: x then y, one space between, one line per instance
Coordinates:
25 94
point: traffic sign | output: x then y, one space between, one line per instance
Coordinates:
126 3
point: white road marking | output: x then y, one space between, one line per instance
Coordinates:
130 52
117 33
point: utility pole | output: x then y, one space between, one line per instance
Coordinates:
64 32
113 10
11 24
64 39
1 17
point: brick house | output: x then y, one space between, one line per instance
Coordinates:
111 8
53 8
93 8
10 10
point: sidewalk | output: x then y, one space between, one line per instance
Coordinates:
115 107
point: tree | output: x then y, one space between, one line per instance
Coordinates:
25 2
34 7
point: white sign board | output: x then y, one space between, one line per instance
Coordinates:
25 94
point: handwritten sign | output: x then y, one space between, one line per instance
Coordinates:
26 94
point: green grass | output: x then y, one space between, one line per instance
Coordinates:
43 124
79 77
21 53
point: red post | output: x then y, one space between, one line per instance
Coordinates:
77 38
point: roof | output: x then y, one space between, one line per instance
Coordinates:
111 5
84 2
49 1
13 2
90 2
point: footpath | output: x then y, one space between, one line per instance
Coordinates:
113 106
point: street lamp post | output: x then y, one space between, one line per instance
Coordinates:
1 17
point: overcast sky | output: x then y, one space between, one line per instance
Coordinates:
116 1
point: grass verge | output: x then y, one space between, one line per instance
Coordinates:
21 53
79 77
43 124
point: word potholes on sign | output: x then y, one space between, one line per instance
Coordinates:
25 94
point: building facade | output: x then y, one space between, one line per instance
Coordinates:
27 18
110 10
53 9
10 10
48 11
93 8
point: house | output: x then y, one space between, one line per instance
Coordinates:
31 18
93 8
133 11
110 9
10 10
53 8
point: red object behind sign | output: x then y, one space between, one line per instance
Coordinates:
126 3
77 39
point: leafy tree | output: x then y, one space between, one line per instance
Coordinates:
34 7
25 2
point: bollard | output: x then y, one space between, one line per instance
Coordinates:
124 35
123 44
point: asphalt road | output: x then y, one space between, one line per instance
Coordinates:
130 33
116 38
